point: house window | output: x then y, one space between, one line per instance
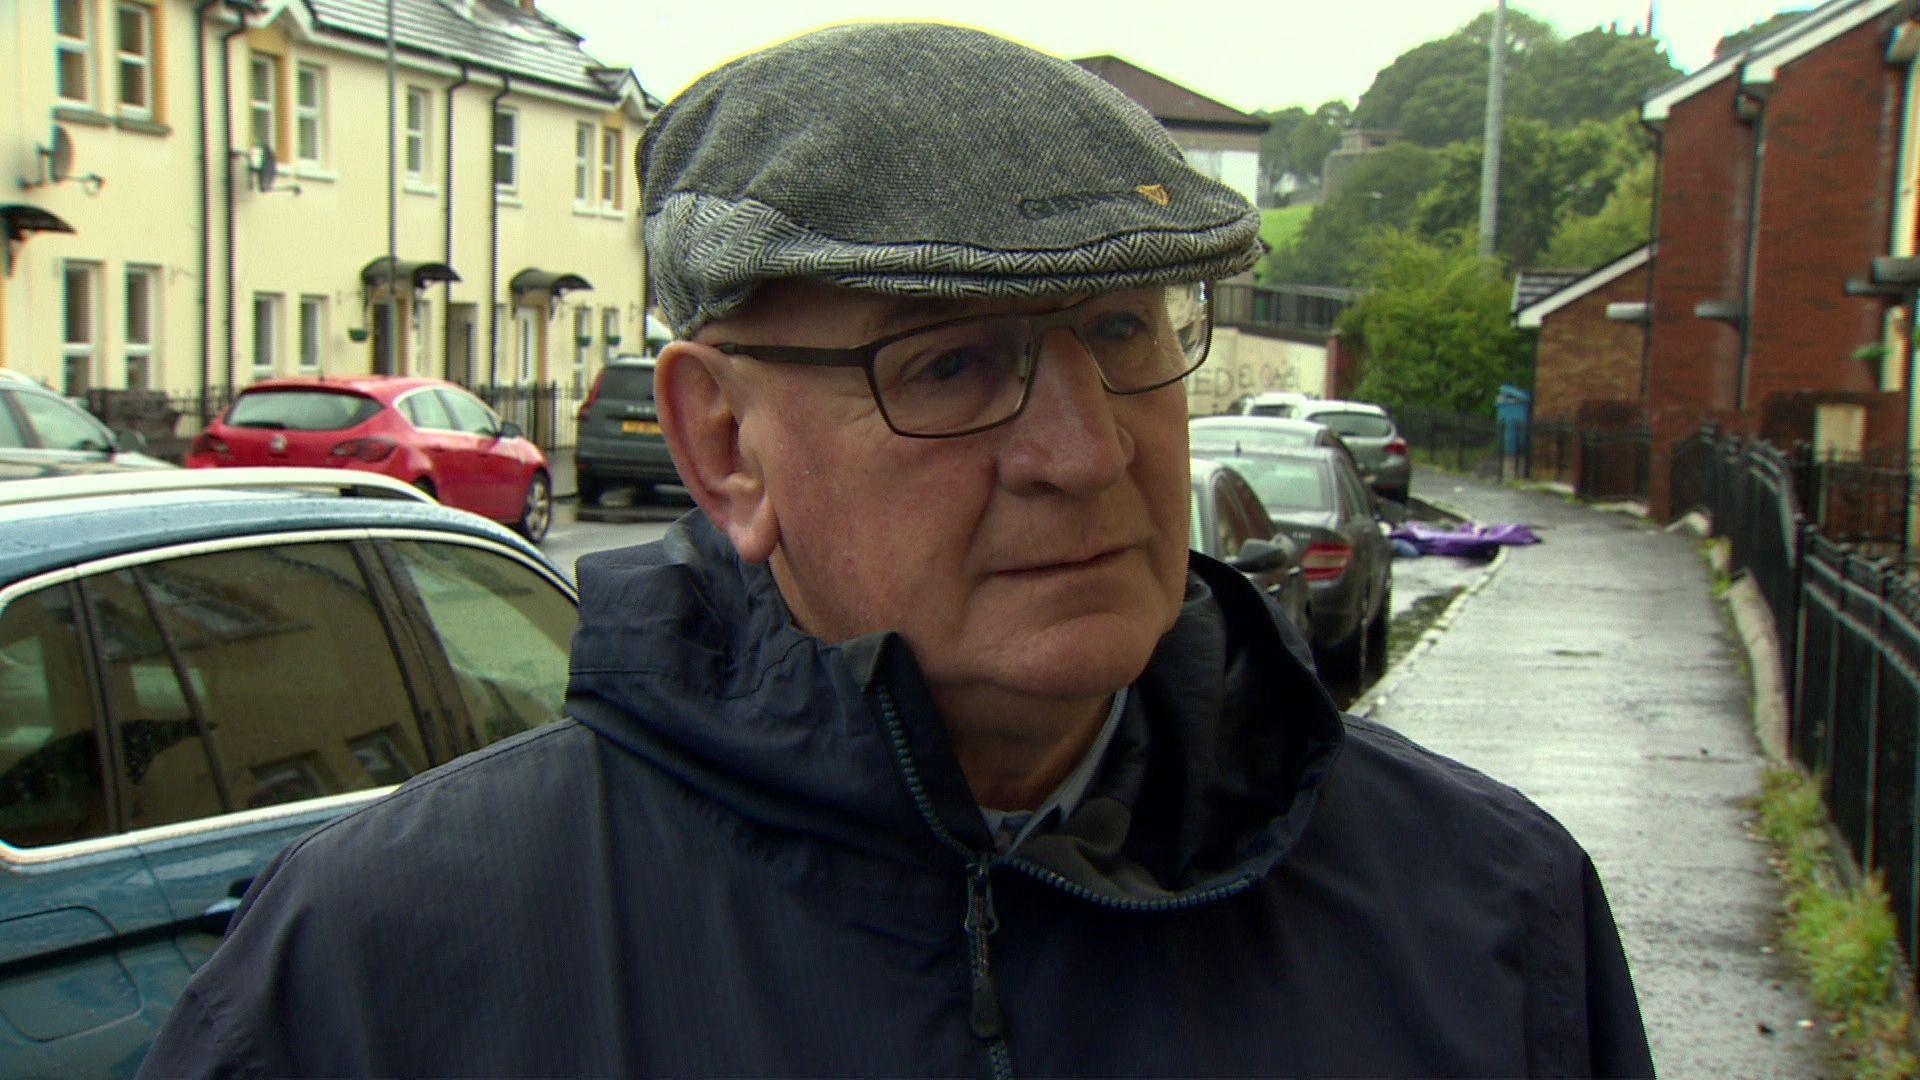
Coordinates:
582 338
72 50
310 113
419 123
506 149
141 291
609 334
313 332
263 77
134 25
583 164
610 168
266 334
80 335
422 333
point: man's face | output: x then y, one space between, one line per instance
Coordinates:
1042 559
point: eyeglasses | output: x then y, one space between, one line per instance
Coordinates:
967 375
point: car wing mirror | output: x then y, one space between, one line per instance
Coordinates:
509 430
129 441
1390 511
1261 556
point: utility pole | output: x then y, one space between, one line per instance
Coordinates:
389 362
1490 142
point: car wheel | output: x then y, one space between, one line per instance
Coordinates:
1398 494
589 487
536 512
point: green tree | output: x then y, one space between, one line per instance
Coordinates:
1619 226
1739 39
1433 327
1594 76
1383 191
1548 175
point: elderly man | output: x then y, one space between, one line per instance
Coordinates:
925 746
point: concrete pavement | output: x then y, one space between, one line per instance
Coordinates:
1595 673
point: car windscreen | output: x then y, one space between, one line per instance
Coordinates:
301 410
1285 484
1227 437
627 383
1281 410
1357 425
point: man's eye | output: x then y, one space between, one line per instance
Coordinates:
1118 326
946 366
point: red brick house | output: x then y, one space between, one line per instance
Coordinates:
1778 167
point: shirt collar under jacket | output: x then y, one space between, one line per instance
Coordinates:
1010 827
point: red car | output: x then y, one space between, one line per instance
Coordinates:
426 432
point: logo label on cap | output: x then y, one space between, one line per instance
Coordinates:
1042 207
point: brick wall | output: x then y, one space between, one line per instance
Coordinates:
1832 131
1582 356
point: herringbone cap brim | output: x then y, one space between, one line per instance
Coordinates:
921 160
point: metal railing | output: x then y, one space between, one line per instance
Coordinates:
169 421
1848 624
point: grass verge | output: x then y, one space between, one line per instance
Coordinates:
1841 935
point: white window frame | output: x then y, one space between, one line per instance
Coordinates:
141 61
85 348
313 333
507 179
418 158
609 334
138 341
422 316
266 346
582 342
80 45
310 120
610 168
583 178
263 113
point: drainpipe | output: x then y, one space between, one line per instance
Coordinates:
446 232
205 190
493 236
226 170
1758 121
1653 237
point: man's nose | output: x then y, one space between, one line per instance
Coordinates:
1069 436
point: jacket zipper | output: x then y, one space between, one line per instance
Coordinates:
985 1016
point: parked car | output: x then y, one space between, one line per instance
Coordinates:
196 667
1228 523
426 432
1373 437
619 441
1314 496
1271 403
1228 433
40 428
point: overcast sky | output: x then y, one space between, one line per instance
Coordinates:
1250 55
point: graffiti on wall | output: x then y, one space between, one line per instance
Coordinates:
1212 388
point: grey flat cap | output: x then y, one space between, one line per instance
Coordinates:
921 160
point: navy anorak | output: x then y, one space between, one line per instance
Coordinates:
752 853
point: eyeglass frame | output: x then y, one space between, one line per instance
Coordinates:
1038 322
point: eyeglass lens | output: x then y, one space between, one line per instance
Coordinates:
974 373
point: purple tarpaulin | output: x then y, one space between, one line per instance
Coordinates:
1469 540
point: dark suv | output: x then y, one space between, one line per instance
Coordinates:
620 442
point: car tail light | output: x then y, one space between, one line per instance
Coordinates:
1325 561
1397 446
365 449
205 443
593 393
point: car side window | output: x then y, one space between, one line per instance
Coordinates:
1352 494
469 415
52 787
1229 521
424 410
61 426
11 433
1247 504
249 678
505 630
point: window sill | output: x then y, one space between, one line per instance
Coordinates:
415 187
507 198
310 171
142 124
613 213
80 114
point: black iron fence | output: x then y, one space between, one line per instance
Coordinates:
1610 463
1848 623
169 421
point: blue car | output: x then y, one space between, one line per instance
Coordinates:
199 666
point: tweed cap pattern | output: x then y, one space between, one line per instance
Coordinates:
921 159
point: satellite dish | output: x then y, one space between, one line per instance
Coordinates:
266 168
60 155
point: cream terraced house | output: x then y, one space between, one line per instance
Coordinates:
198 194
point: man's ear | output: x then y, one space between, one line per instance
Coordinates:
701 402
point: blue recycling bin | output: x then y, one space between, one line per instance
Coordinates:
1513 408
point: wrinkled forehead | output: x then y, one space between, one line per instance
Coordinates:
778 309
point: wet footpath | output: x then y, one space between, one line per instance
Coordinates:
1595 672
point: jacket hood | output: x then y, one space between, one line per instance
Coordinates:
688 657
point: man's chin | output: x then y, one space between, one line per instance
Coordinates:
1080 659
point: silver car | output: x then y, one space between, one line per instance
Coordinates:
1376 442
